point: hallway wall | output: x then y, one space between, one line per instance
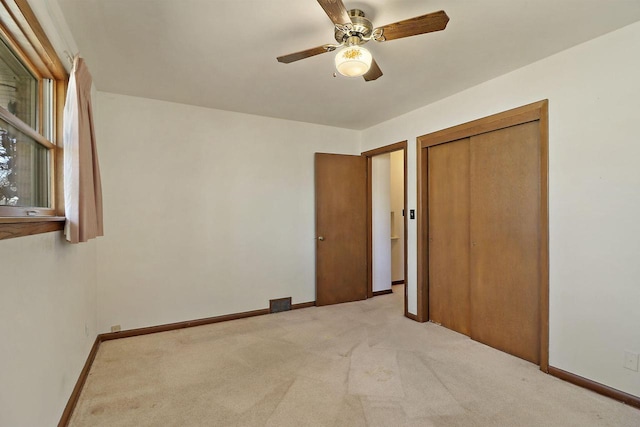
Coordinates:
396 172
381 223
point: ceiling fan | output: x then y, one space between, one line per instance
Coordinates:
352 30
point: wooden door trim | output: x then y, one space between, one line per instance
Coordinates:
386 149
422 160
505 119
369 227
544 235
402 145
537 111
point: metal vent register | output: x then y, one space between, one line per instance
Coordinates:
280 304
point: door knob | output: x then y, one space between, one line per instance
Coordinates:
320 238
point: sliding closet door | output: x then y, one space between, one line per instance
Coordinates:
448 183
505 240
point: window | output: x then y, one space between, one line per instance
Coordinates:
18 87
24 170
32 89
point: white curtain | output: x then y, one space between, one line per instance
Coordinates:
82 187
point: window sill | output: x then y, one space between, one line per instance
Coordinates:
21 219
11 227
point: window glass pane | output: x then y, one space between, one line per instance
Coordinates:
24 169
18 88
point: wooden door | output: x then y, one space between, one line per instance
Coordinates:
448 186
341 228
505 239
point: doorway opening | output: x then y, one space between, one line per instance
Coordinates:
387 220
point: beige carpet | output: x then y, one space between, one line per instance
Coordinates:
356 364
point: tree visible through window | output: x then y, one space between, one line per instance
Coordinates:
24 163
24 169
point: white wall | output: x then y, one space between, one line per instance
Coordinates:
47 298
207 212
198 223
396 172
381 222
594 103
47 309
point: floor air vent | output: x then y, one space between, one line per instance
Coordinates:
280 304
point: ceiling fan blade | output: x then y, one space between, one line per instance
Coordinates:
374 72
436 21
336 11
292 57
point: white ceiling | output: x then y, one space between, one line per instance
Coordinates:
222 53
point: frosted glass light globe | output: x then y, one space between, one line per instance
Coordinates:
353 61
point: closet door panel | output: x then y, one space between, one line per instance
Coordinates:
448 186
504 233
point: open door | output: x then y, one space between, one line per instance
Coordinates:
341 228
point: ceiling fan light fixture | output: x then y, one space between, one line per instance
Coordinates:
353 61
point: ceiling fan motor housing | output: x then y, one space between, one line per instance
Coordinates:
360 27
